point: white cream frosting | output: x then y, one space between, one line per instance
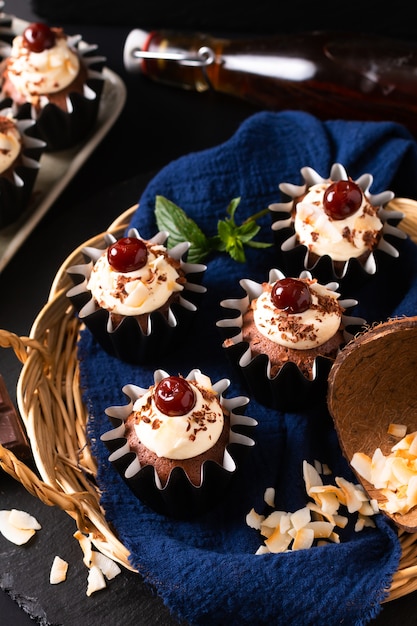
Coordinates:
300 331
37 73
183 436
10 143
324 236
138 292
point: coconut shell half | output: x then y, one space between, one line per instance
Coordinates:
372 384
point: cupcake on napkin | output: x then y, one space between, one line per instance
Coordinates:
334 226
286 335
135 297
178 443
54 77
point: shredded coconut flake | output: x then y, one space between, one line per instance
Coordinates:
99 565
18 526
316 523
394 474
58 571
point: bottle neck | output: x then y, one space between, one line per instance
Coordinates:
179 60
329 75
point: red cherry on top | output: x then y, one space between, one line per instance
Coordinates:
291 295
127 254
38 37
342 199
174 396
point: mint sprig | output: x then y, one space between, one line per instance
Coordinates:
231 237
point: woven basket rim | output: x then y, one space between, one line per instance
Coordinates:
49 400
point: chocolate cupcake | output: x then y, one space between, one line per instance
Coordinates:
135 296
56 79
19 165
284 336
334 227
178 443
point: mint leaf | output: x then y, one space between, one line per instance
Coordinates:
237 252
230 237
173 219
225 231
231 209
258 244
233 238
247 231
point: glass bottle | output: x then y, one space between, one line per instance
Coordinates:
329 75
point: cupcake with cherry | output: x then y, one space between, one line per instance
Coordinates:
283 336
179 442
137 298
19 166
55 78
335 227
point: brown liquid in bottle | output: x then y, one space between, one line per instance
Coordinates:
336 76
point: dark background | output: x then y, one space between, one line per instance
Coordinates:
158 124
264 16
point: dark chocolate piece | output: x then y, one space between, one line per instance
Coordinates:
12 434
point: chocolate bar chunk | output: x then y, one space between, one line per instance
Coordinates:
12 434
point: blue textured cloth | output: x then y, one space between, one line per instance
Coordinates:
206 570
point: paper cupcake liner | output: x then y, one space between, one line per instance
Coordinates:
354 275
6 32
128 341
62 129
294 257
179 498
289 389
15 195
59 129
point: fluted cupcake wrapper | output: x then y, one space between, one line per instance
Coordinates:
130 344
355 274
15 193
14 200
61 129
180 498
6 32
289 389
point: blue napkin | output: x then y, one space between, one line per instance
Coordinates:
205 570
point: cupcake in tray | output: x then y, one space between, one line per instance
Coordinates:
179 443
283 337
19 165
135 296
334 227
55 78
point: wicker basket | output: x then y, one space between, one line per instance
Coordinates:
49 399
